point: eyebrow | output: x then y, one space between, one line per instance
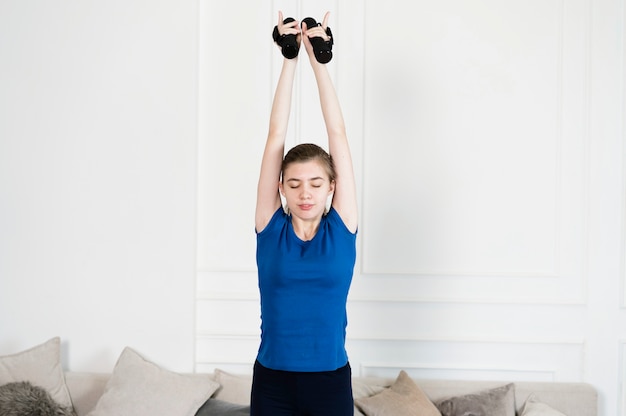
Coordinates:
317 178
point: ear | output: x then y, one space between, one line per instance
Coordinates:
281 188
331 188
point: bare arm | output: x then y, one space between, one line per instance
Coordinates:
268 198
344 198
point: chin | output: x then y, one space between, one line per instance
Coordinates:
308 214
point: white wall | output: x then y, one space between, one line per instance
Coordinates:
488 144
489 148
98 138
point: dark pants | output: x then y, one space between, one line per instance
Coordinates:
287 393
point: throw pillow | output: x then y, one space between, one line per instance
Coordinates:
534 407
234 388
365 388
139 387
41 366
24 399
402 398
499 401
215 407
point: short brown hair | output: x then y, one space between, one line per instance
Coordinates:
308 151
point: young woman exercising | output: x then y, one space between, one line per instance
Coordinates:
305 253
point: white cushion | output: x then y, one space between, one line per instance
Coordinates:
534 407
41 366
139 387
234 388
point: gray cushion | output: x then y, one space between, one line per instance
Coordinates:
216 407
499 401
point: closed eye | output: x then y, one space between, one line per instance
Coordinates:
317 183
293 183
314 183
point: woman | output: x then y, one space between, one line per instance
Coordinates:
305 255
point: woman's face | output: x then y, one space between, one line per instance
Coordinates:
306 187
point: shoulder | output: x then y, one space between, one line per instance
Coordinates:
334 219
278 218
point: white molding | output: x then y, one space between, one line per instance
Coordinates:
253 296
232 337
623 187
235 367
226 296
241 286
477 340
468 300
546 374
360 350
484 359
217 364
621 385
463 340
221 270
464 290
580 278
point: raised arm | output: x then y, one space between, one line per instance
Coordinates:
344 199
268 198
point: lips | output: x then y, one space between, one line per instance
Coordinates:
306 207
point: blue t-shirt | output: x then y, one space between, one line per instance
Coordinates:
304 287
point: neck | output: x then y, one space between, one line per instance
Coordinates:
305 230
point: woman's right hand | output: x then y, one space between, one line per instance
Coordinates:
291 28
318 31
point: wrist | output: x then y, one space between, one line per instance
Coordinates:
292 62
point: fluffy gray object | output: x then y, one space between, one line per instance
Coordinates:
24 399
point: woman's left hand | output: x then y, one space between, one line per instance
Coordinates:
318 31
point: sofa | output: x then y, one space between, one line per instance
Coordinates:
137 386
571 399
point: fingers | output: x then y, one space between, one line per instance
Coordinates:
291 28
325 21
305 32
318 31
315 32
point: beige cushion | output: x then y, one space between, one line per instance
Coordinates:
534 407
139 387
86 389
234 388
403 398
366 388
498 401
41 366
